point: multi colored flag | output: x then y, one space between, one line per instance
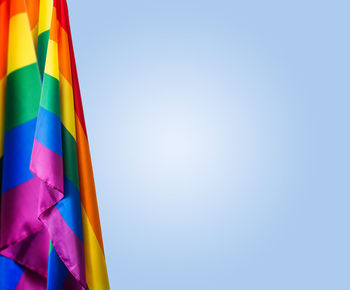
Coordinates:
50 235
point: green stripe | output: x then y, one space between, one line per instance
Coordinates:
50 97
43 40
70 159
50 247
23 91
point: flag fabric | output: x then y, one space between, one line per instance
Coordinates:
50 235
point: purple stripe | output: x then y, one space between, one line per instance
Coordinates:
19 212
67 244
31 252
71 284
47 165
31 281
21 207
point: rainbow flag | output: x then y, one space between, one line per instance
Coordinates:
50 235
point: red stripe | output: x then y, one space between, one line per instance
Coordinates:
4 23
61 16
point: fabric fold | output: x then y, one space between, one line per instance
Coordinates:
50 235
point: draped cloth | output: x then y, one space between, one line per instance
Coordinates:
50 234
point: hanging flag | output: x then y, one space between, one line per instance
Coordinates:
50 235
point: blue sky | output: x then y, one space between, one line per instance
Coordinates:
220 139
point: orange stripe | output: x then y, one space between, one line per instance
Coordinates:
33 12
2 113
64 54
86 181
54 26
16 7
4 28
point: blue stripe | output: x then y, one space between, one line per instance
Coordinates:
18 144
10 273
70 208
57 272
48 130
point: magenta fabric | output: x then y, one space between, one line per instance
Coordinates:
71 284
20 212
31 281
27 252
47 165
66 241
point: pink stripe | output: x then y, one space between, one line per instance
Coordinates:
68 246
31 281
47 165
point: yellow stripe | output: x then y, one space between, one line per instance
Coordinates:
51 65
95 264
67 106
20 49
45 13
2 113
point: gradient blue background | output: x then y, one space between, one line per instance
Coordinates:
219 132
